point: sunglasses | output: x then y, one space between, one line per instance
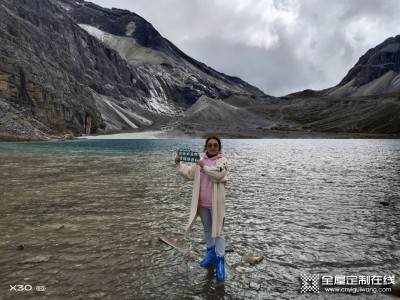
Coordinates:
216 145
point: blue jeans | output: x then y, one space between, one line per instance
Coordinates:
219 242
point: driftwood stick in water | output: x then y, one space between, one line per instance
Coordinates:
181 248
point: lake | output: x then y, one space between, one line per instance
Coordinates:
82 218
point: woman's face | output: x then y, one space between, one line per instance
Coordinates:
212 147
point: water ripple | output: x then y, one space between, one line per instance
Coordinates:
88 215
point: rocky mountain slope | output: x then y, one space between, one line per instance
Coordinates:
72 67
376 72
367 100
366 103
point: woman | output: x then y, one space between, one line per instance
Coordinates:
208 200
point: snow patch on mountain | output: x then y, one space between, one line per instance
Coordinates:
130 28
127 47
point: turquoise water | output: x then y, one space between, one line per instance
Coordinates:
96 147
88 214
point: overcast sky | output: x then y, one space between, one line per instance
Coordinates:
280 46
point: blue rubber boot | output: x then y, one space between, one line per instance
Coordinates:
220 272
210 259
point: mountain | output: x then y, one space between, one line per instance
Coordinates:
72 67
376 72
69 68
366 101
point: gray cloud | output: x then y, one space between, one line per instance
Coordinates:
280 46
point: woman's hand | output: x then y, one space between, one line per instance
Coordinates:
177 160
200 163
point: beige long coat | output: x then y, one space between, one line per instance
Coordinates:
218 175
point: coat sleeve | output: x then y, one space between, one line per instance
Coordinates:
218 172
187 172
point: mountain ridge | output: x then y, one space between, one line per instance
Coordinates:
376 72
55 74
73 68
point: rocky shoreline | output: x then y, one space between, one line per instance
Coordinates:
199 134
9 138
270 134
185 133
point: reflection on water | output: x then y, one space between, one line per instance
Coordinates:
88 213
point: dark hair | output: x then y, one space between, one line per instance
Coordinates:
213 137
